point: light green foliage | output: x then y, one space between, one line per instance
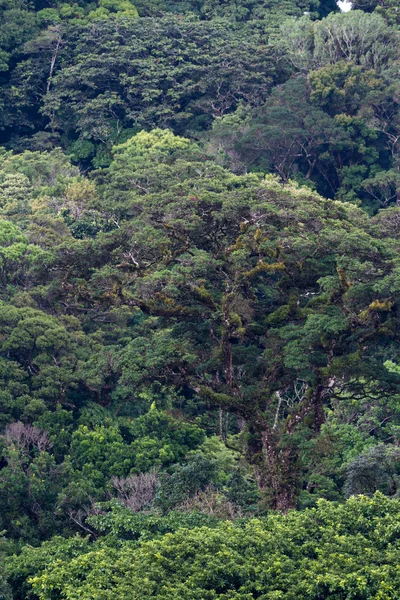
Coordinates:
13 246
43 352
355 36
342 86
107 7
150 146
100 453
119 524
150 442
159 440
330 551
43 169
33 560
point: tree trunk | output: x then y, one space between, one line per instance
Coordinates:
281 474
54 59
319 412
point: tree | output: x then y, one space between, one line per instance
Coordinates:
13 246
43 351
376 469
253 275
331 130
192 72
355 36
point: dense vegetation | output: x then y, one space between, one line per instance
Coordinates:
199 300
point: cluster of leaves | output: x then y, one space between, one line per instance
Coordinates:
124 65
333 125
50 476
327 552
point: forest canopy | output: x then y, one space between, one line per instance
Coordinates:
199 300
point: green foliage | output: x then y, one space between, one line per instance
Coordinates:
206 326
44 350
311 342
5 591
182 76
13 246
331 552
152 441
376 469
353 36
119 524
100 453
33 560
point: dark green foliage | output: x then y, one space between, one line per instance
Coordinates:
5 590
97 81
185 481
376 469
